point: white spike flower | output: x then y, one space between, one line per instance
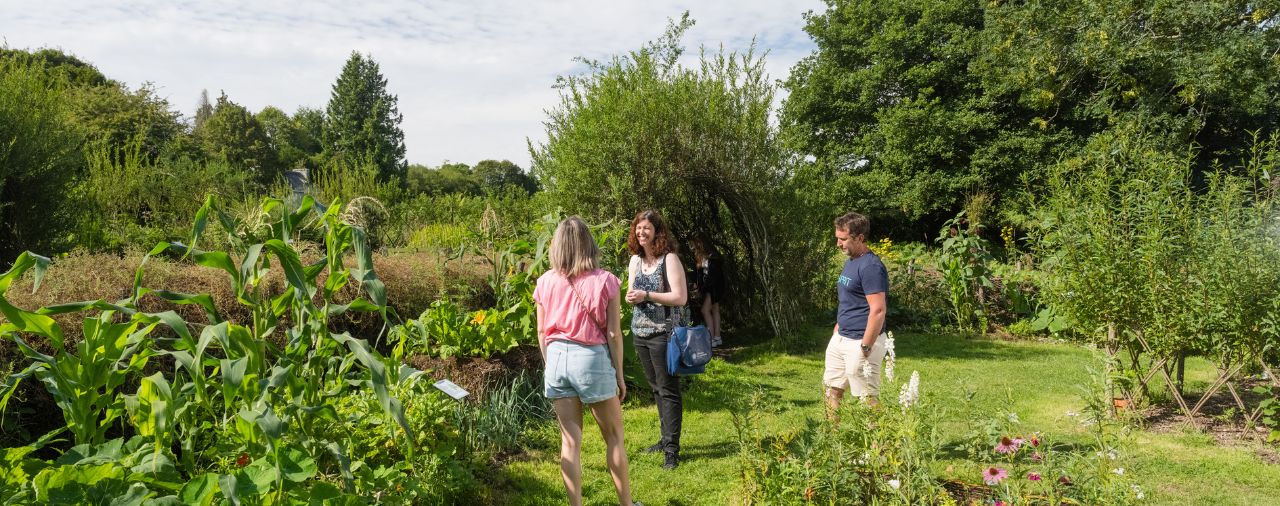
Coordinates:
910 393
890 357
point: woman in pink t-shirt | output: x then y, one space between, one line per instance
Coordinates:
576 300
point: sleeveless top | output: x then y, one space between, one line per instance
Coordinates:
649 319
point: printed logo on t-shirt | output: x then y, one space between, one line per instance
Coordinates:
845 280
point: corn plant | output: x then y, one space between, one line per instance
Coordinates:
84 380
963 262
230 388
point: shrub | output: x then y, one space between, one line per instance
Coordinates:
872 455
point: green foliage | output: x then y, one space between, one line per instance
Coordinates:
1042 467
895 116
1132 246
113 472
444 330
362 122
445 236
1269 409
114 116
448 178
963 261
1200 73
39 159
250 420
292 141
58 66
641 131
507 419
494 175
234 136
908 106
128 198
879 455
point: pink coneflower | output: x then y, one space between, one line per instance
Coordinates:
1008 446
994 475
999 503
1033 476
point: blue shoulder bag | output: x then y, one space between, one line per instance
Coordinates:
689 348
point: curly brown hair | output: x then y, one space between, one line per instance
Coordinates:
663 243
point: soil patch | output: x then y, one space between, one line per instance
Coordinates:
478 375
1220 418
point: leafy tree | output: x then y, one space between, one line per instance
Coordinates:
908 107
233 135
891 111
113 115
310 131
362 123
60 66
493 175
39 158
641 131
106 110
1198 73
448 178
292 141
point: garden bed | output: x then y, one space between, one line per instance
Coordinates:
478 375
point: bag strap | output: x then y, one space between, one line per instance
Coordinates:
582 302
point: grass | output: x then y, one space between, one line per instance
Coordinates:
963 377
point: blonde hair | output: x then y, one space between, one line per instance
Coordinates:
573 249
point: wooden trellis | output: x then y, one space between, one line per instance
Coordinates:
1227 377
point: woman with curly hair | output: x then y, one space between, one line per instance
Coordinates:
657 291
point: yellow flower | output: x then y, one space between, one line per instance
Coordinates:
478 318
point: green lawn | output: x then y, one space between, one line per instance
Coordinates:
1038 381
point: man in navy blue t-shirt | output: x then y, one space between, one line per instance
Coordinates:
856 348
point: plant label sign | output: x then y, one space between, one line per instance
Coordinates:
452 389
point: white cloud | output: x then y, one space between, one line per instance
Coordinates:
473 78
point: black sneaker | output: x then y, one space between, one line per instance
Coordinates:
671 461
656 447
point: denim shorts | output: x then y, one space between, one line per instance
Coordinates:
578 370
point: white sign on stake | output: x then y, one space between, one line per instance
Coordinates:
451 388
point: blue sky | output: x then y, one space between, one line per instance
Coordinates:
473 77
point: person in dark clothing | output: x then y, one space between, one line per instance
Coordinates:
657 291
709 279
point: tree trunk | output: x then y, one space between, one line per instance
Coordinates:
1111 355
1182 362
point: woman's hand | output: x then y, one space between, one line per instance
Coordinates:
622 388
635 296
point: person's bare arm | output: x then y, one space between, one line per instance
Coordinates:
679 294
542 342
875 319
615 344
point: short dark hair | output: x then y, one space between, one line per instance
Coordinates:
854 224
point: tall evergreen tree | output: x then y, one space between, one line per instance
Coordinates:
203 109
362 124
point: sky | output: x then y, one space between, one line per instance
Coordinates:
474 78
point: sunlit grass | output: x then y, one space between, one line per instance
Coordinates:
1040 381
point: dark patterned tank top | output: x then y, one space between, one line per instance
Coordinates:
650 319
